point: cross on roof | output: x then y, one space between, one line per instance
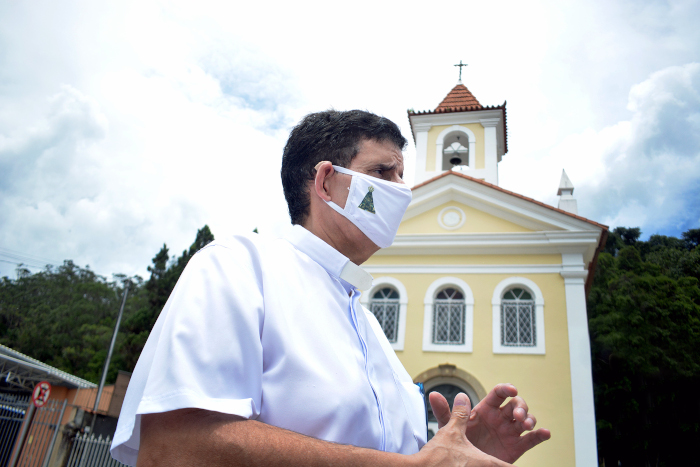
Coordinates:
460 69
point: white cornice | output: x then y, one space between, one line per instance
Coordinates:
562 242
489 122
422 126
451 118
574 275
464 269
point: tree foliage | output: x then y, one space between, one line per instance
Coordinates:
644 319
65 316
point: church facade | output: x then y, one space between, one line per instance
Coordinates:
483 285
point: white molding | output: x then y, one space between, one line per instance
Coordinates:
488 199
421 156
471 140
585 445
464 269
489 122
428 302
491 158
422 126
455 118
539 348
463 218
583 275
380 282
583 243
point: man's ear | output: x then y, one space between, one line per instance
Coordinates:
324 170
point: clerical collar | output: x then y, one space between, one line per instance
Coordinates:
329 258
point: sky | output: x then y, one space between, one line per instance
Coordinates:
126 125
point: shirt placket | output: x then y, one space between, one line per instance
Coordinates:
370 372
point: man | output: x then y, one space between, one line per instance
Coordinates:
263 355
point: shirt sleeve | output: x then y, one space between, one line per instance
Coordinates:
209 353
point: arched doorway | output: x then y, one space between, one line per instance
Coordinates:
449 381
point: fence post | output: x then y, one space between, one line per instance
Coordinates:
22 436
47 458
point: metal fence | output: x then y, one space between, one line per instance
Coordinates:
42 435
12 411
89 451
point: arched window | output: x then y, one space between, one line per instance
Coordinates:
385 306
388 301
455 146
455 153
518 319
449 317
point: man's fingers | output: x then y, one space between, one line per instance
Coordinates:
530 422
532 439
441 408
517 428
461 408
499 394
516 409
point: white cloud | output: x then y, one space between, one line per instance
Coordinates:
643 171
124 125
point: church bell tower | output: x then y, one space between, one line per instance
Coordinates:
460 135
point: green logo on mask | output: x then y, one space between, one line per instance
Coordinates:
367 202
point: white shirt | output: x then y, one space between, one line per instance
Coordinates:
266 329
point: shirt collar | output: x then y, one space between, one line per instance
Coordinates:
333 261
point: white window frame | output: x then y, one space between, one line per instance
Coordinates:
499 291
439 143
429 310
380 283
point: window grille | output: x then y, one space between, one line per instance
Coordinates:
518 319
448 317
385 306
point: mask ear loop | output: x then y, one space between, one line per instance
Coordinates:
352 181
321 162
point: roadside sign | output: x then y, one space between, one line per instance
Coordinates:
41 393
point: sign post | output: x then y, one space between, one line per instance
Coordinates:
40 396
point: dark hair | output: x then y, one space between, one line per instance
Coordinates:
328 136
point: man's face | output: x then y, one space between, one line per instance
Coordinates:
380 159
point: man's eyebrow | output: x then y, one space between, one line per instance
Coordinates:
386 166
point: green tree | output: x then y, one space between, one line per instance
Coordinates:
164 275
62 316
65 316
644 319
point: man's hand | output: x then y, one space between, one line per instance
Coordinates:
450 446
494 429
187 437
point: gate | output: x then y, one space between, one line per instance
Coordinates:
12 411
42 435
89 451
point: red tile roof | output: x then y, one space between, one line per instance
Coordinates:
459 97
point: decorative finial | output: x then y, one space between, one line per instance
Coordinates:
460 69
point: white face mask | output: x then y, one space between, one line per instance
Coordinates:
375 206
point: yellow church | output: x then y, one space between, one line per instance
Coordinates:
483 285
